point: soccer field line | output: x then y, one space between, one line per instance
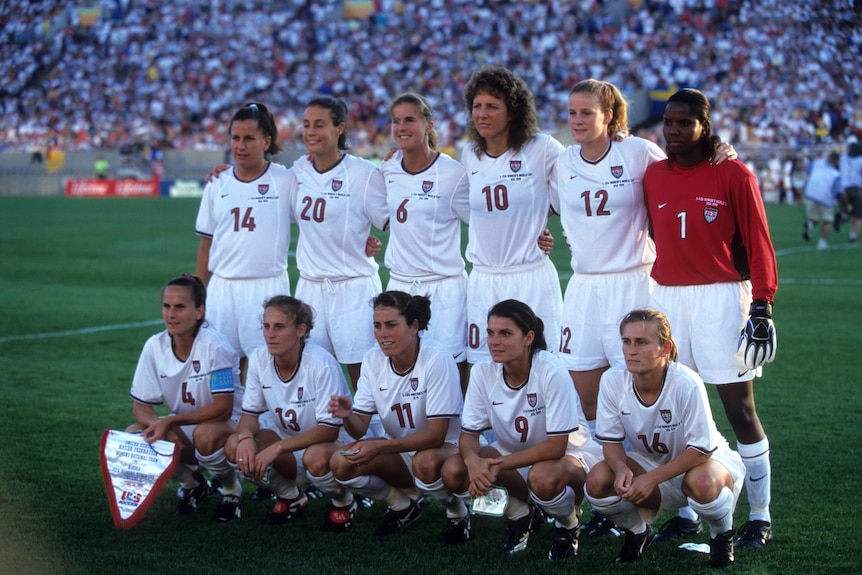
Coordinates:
564 276
81 331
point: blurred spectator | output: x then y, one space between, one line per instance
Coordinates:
785 73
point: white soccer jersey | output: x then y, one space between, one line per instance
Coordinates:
184 386
546 405
678 420
405 403
602 208
301 402
425 214
509 202
335 211
249 223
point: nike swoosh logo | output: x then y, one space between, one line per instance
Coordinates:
660 206
474 173
625 413
390 181
266 387
383 388
225 195
496 403
573 177
162 375
741 373
755 479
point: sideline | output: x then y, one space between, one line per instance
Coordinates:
82 331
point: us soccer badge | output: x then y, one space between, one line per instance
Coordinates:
134 472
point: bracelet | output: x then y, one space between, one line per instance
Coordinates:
241 439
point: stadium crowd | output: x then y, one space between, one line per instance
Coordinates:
171 73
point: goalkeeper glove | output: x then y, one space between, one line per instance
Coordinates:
758 341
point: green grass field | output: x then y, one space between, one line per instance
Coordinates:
80 282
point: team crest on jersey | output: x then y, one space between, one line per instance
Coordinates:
299 393
414 383
515 165
532 399
666 416
196 365
426 186
617 171
262 189
336 185
710 214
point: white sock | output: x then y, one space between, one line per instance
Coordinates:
562 507
185 476
758 477
454 506
282 486
517 509
623 513
688 513
218 466
340 495
718 513
375 488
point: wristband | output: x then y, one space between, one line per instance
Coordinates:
243 438
760 308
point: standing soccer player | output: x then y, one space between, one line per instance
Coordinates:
244 225
427 194
336 199
509 166
716 278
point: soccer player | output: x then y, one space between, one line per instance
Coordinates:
193 370
677 455
292 380
413 386
716 278
822 189
336 199
427 194
244 225
543 449
509 165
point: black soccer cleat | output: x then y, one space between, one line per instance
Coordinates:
635 545
457 531
395 522
721 550
518 531
677 528
192 497
229 509
600 526
565 544
754 534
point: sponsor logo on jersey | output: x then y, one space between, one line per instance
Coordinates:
336 185
426 186
617 171
515 165
262 189
666 415
414 383
710 214
196 365
299 393
532 399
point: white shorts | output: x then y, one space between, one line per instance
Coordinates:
672 497
592 309
448 325
588 456
537 285
235 308
706 321
343 316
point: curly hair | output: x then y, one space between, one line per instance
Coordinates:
504 84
